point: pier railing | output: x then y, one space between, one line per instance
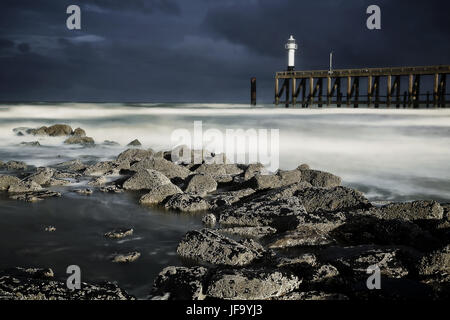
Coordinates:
306 87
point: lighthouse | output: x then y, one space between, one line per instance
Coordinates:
291 46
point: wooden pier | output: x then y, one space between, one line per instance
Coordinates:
305 88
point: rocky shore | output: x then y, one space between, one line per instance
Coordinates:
291 235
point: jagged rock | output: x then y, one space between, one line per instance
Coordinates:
35 196
186 203
314 295
135 143
79 140
304 235
209 220
435 263
252 232
16 165
169 169
251 284
24 186
38 284
319 178
211 247
282 178
79 132
217 171
180 283
126 258
416 210
201 184
135 155
146 180
72 165
106 168
332 200
119 233
254 169
159 194
42 176
86 192
229 197
388 261
30 144
7 181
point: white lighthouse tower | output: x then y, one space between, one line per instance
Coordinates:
291 47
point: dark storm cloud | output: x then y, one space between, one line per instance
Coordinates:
200 50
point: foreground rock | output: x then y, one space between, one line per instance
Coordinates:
169 169
318 178
159 194
39 284
201 184
42 176
186 203
146 179
211 247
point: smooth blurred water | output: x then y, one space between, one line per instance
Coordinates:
389 154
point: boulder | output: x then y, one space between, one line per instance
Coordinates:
42 176
282 178
134 143
201 184
416 210
209 220
79 132
72 165
79 140
304 235
7 181
59 130
180 283
186 203
253 169
435 263
319 179
251 284
229 197
250 232
159 194
211 247
106 168
146 180
134 155
24 186
169 169
16 165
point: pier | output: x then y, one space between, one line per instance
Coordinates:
402 87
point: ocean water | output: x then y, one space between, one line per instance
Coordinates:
389 154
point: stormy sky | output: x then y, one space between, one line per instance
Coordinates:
201 50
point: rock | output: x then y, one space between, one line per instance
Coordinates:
416 210
135 155
126 258
232 169
180 283
186 203
325 273
86 192
110 143
50 229
7 181
59 130
78 132
35 196
332 200
209 220
229 197
253 169
57 182
303 166
24 186
211 247
72 165
388 261
314 296
42 176
159 194
282 178
21 131
251 284
146 180
99 181
30 144
134 143
435 263
307 259
42 131
119 233
169 169
106 168
252 232
201 184
111 189
16 165
304 235
38 284
217 171
79 140
319 179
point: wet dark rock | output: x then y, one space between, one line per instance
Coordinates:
135 143
201 184
146 180
211 247
319 179
159 194
35 196
282 178
180 283
39 284
80 140
126 257
416 210
186 203
119 233
30 144
251 284
111 189
24 186
436 263
229 197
